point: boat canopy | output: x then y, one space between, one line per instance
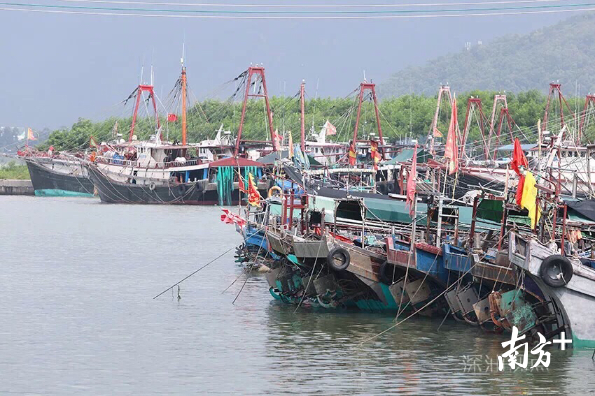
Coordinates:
235 162
407 154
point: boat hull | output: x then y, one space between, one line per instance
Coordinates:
194 193
576 298
49 183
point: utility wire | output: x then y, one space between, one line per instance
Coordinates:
300 14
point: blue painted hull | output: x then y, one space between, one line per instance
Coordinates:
61 193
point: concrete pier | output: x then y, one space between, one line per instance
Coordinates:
16 187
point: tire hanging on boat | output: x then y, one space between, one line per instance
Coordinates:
338 259
556 271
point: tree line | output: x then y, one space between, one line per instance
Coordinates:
407 116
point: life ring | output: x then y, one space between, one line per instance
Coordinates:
556 270
273 189
382 277
338 259
152 186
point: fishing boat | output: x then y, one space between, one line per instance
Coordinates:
567 284
57 175
210 173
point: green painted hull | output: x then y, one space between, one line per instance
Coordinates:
60 193
578 343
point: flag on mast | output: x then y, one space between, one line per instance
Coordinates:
518 157
330 128
411 184
451 151
253 194
30 134
376 156
352 154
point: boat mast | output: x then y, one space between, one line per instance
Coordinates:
474 106
556 90
365 86
139 91
256 70
183 104
303 114
444 90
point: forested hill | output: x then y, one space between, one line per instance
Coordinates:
564 52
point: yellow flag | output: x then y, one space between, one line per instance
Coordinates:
30 134
529 198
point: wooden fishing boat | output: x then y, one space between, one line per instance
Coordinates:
566 283
59 176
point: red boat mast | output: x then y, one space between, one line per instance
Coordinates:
259 71
138 91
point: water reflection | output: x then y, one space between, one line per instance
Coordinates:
77 315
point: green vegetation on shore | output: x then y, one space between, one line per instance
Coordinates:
12 170
409 115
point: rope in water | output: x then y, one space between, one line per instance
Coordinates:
210 262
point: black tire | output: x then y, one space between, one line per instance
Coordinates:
382 188
391 188
182 188
382 275
556 271
338 259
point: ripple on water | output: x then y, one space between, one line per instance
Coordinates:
77 315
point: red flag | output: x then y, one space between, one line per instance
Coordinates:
330 128
437 133
230 218
172 117
352 154
277 138
376 156
242 185
253 194
93 142
411 184
451 151
518 157
519 190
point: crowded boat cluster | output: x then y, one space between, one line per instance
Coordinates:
493 233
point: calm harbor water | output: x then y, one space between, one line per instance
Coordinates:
77 316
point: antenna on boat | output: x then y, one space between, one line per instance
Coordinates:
303 117
183 81
152 75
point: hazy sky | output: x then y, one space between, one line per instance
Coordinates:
57 67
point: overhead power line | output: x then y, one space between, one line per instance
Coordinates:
295 14
239 5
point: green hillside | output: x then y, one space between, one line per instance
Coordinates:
564 52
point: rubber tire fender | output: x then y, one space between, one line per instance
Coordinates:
391 188
338 252
553 263
382 276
